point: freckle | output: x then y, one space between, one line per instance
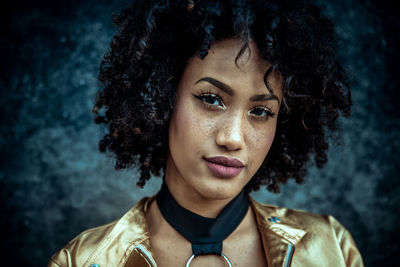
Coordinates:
207 127
255 137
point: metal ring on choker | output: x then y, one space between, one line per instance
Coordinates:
222 254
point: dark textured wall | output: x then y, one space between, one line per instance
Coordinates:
54 183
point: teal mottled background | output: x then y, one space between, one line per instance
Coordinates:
54 183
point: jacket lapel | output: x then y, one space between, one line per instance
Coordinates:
279 234
138 254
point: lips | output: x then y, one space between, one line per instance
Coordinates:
224 167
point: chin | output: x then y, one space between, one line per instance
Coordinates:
219 191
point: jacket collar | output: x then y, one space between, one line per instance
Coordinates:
139 252
279 235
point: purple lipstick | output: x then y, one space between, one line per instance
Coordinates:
224 167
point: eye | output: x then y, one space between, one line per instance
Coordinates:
261 113
212 101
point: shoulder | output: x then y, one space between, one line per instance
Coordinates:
112 240
79 249
307 221
314 236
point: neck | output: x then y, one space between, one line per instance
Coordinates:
205 234
191 199
195 202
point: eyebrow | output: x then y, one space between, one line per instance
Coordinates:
218 84
264 97
227 89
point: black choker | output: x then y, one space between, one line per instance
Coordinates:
205 234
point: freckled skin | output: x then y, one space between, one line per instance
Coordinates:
197 131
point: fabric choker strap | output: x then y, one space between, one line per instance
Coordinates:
205 234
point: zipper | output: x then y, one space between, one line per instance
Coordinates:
289 255
147 255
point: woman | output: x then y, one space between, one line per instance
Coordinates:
221 97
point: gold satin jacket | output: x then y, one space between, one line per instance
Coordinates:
290 238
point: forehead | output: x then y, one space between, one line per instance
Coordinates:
223 57
223 63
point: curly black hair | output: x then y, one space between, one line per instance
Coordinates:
149 53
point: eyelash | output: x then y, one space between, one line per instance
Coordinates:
204 95
267 111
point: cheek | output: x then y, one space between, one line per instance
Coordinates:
179 121
261 143
189 126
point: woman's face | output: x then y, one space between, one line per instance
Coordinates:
223 123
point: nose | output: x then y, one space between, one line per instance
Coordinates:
230 134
